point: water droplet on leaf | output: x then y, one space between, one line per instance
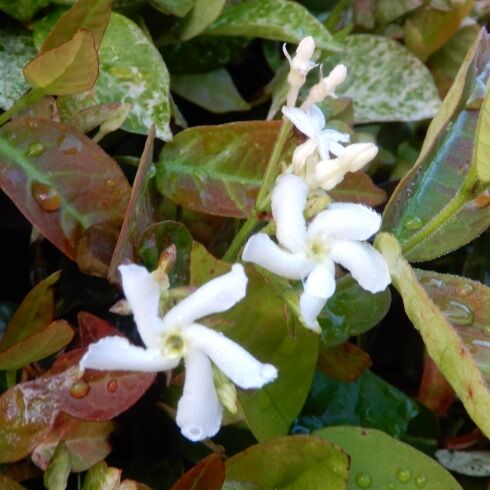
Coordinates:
79 389
482 200
110 182
112 386
413 223
47 197
458 313
403 474
421 481
35 149
363 480
431 282
465 290
69 145
391 486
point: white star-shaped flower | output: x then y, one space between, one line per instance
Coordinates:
312 124
177 336
335 235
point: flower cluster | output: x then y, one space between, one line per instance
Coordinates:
306 252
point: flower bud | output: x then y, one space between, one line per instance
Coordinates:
225 390
301 156
326 87
357 155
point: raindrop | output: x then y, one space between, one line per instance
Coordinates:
69 145
363 480
35 149
413 223
32 124
458 313
391 486
465 290
112 386
482 200
110 182
420 481
404 475
80 389
47 197
431 282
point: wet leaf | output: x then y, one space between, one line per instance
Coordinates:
214 91
452 320
132 72
43 168
280 20
440 205
58 469
140 212
429 29
369 401
92 15
262 325
304 462
86 442
22 10
379 461
208 474
102 477
16 49
70 68
204 13
402 90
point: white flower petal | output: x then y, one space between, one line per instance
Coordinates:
117 354
143 295
199 411
366 264
301 120
345 221
321 281
310 307
357 155
217 295
329 140
235 362
261 250
316 116
288 203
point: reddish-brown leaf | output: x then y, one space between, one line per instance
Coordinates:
208 474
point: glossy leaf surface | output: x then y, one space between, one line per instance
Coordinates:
208 474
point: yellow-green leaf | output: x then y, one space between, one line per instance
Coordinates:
482 142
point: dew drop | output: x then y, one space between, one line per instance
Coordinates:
35 149
32 124
413 223
420 481
47 197
482 200
79 389
69 145
403 475
465 290
110 182
458 313
111 386
391 486
431 282
363 480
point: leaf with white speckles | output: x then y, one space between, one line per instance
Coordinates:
386 81
16 49
133 72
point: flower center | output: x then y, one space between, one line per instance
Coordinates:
173 345
318 249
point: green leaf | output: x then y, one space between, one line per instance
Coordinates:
449 333
91 15
180 8
16 49
481 156
86 442
288 463
385 80
43 166
339 321
440 205
69 68
429 29
387 10
214 91
132 72
204 13
261 324
102 477
369 401
379 461
281 20
22 10
58 470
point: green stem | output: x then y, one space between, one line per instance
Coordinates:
263 196
23 103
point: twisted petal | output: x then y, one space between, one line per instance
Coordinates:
288 202
143 295
235 362
345 221
199 411
310 307
217 295
117 354
321 281
366 264
261 250
301 120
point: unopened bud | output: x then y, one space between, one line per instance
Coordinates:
325 87
225 390
357 155
305 49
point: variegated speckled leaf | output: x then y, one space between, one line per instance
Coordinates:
385 80
16 50
133 72
281 20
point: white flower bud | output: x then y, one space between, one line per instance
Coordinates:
302 155
326 87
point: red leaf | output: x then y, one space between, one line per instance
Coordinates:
208 474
